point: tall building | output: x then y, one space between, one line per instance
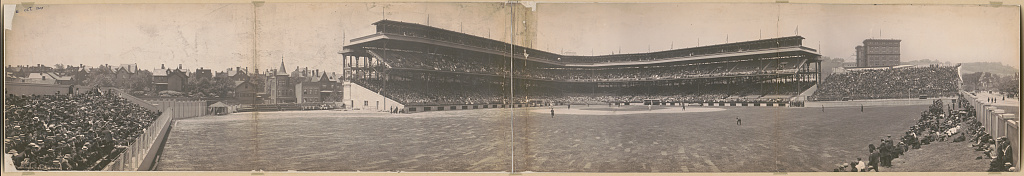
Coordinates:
878 53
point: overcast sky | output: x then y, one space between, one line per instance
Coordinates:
943 32
221 36
310 35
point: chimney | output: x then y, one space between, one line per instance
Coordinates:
162 66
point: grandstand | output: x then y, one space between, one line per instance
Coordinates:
891 83
86 131
412 65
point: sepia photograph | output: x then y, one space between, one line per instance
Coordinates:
511 87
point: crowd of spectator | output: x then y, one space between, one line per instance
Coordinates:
417 92
70 132
439 62
663 72
940 123
443 92
908 82
497 66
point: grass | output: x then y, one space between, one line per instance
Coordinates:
583 139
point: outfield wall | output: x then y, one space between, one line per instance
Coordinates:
427 108
42 89
997 123
182 109
882 102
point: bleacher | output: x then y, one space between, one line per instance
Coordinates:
71 132
895 83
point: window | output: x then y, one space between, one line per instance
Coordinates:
366 103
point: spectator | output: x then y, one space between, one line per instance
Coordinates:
70 132
892 83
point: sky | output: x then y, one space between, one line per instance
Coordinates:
953 33
221 36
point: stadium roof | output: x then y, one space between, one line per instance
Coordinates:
550 58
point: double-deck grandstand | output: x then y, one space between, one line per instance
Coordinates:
419 65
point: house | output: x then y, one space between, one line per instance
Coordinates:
203 73
245 92
168 79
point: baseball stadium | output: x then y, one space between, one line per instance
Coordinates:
419 98
420 68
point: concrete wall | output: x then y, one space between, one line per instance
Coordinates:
40 89
882 102
359 97
998 123
428 108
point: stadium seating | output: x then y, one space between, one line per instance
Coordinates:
908 82
70 132
434 92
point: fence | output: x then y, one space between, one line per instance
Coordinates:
141 153
182 109
133 99
998 123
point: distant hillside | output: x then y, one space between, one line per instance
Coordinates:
991 67
972 67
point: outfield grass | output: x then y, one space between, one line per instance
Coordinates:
583 139
341 141
770 139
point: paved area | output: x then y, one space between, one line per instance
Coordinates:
1010 105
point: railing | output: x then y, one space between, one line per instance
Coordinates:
141 153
